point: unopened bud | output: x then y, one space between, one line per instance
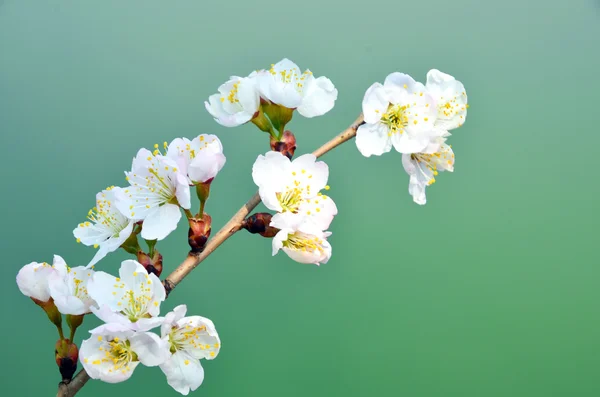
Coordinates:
199 233
259 224
151 264
66 355
286 145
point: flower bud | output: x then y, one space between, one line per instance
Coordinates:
199 232
259 223
151 264
66 355
286 145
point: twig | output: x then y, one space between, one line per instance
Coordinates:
193 260
71 388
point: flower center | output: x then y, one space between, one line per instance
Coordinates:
120 354
304 242
104 214
188 337
291 77
137 306
395 119
290 200
442 160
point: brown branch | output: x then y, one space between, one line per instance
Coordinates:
71 388
193 260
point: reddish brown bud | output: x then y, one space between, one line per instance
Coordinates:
259 223
199 233
151 264
66 355
286 145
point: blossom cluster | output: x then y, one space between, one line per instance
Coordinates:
293 189
275 91
414 119
159 185
130 307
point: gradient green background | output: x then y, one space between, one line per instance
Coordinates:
490 290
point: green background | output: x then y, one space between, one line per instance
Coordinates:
491 289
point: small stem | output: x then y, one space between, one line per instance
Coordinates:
60 332
74 322
151 245
201 213
188 213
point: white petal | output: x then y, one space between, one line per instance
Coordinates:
150 349
32 280
319 96
375 103
269 169
405 143
279 238
182 191
183 372
178 151
109 316
112 244
158 294
161 222
146 324
309 173
106 290
171 318
206 165
399 80
373 139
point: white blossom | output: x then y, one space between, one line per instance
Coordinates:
190 339
236 103
113 352
294 187
68 287
302 241
200 159
451 99
283 84
400 113
32 280
157 191
133 299
424 167
107 227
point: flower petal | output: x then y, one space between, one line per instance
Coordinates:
112 244
150 349
319 96
171 318
32 280
183 372
375 103
373 139
161 222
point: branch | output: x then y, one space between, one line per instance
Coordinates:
71 388
235 223
193 260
